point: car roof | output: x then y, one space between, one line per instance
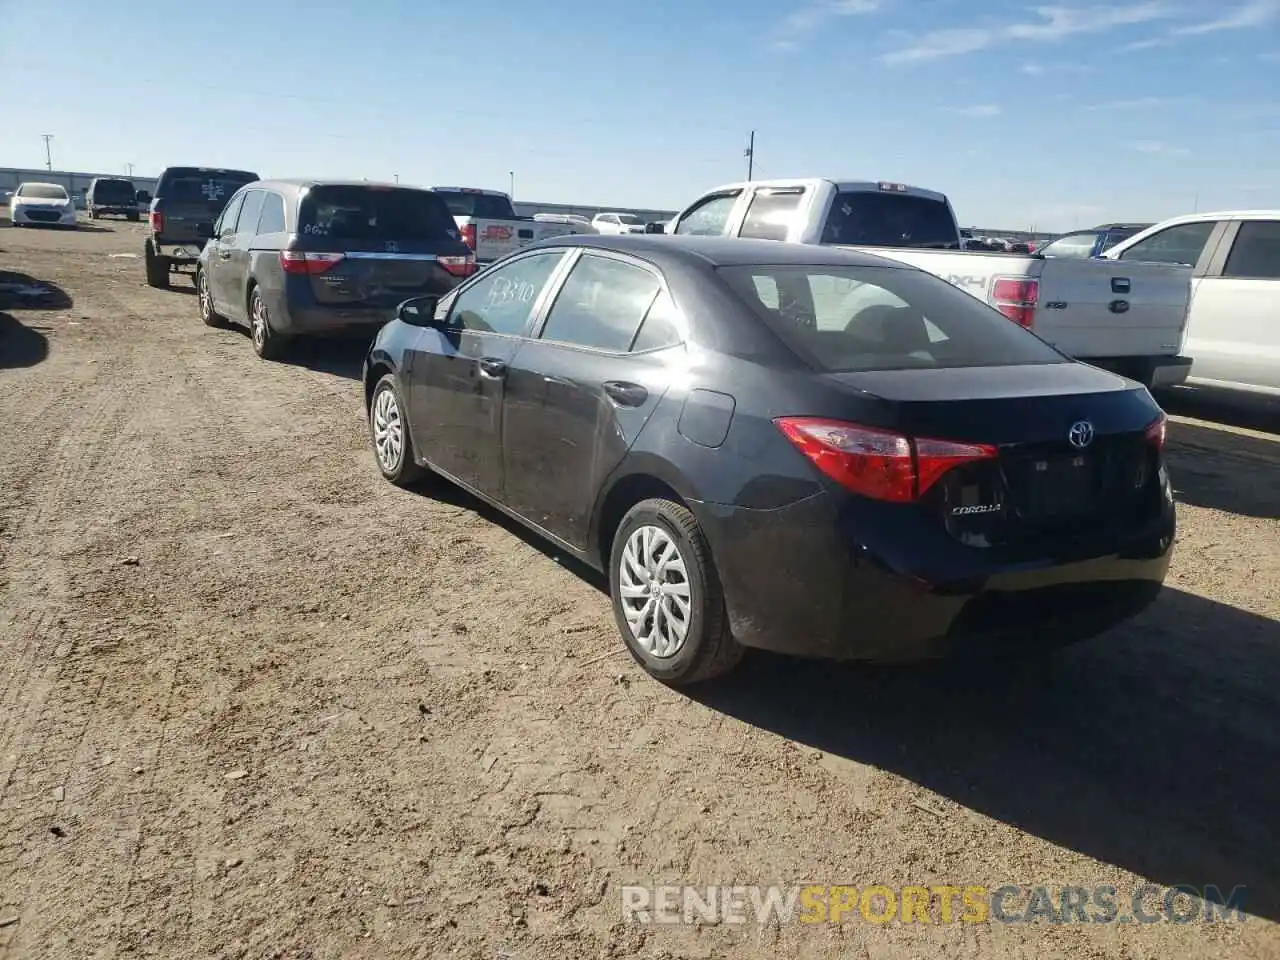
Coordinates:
40 183
724 251
306 183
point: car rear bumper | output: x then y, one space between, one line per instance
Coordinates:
181 252
808 580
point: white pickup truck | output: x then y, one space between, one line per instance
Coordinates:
1127 317
488 223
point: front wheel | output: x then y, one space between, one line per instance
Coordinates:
389 431
667 598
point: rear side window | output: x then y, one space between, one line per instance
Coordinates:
1182 244
881 318
884 218
375 213
658 329
709 218
1256 252
1118 235
601 304
249 212
272 218
482 206
771 213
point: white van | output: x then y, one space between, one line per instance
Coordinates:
1233 335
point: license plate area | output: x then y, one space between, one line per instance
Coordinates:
1054 487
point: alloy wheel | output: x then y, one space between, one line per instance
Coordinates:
654 587
258 322
388 430
206 300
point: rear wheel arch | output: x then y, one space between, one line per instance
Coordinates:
625 493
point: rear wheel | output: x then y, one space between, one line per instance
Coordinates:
135 217
667 597
157 269
389 431
267 344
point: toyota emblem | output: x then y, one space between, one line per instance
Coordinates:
1081 434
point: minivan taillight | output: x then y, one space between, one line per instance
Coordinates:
459 266
296 261
1015 297
469 235
877 463
157 221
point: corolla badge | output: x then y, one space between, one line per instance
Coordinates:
1081 434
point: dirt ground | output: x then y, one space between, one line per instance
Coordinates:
255 702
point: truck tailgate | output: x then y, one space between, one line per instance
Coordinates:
494 239
1102 308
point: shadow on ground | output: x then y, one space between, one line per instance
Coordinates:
1253 412
1217 468
20 345
20 291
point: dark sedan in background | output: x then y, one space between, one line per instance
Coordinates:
798 448
293 258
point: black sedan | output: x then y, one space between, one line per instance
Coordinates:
790 447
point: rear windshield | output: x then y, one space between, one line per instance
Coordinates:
882 318
42 191
375 213
114 190
212 189
482 206
886 219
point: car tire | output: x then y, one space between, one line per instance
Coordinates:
157 269
134 217
704 648
209 316
389 434
267 343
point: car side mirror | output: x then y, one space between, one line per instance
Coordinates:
418 311
655 227
204 231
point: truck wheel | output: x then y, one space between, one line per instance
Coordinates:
667 598
157 269
134 216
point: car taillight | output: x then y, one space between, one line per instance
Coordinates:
1155 433
157 221
296 261
459 266
469 235
878 463
1015 297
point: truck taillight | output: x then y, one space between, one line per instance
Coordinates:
313 264
469 235
1016 297
459 266
157 221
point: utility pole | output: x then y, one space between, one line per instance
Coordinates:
1195 203
48 157
130 166
512 175
750 153
397 177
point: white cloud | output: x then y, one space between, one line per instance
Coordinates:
1137 103
1032 69
1054 24
978 110
803 22
1159 147
1257 13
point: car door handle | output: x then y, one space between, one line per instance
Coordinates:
493 368
626 394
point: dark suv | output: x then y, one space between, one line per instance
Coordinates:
291 258
111 195
187 201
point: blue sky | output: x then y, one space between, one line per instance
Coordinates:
1055 115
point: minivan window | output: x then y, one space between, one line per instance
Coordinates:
881 318
42 191
212 190
272 219
874 218
1256 252
350 212
226 225
482 206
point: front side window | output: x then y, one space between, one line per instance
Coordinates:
1180 244
501 299
601 304
1076 246
709 218
1256 252
771 213
249 212
881 318
227 222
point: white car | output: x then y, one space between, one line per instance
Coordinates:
617 223
42 204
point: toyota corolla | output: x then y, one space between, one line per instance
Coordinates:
797 448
